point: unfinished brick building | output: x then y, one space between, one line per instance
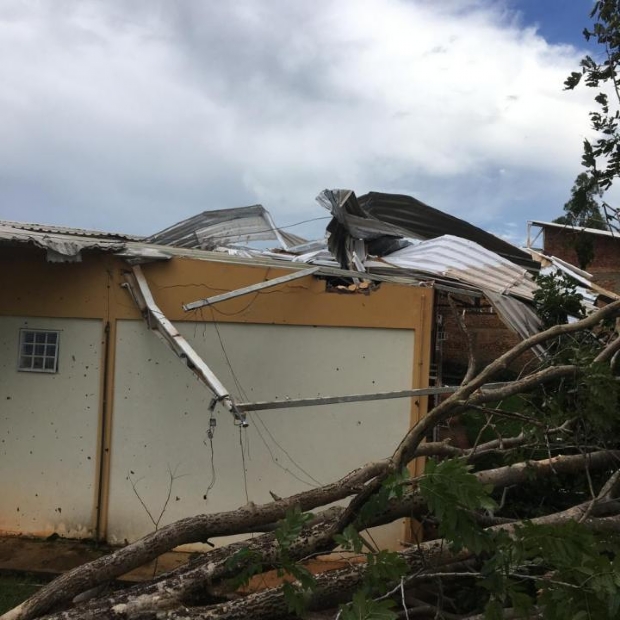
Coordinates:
560 240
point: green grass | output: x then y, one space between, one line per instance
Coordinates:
15 589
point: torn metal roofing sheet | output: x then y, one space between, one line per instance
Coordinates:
467 262
222 227
375 215
65 230
517 316
60 247
574 272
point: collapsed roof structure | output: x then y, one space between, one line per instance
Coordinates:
376 236
398 236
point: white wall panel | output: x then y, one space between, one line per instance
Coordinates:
48 431
161 416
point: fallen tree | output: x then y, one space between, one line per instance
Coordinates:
499 545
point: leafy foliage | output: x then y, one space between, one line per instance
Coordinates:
601 158
246 563
452 493
393 487
583 210
383 568
364 608
556 299
573 573
350 540
596 399
290 527
296 594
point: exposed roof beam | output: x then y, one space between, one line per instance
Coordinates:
209 301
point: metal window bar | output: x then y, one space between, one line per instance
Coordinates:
38 350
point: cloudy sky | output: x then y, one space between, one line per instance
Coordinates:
133 114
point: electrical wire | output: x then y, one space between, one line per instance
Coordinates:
285 452
244 395
245 472
213 472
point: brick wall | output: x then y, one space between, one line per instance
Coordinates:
605 266
490 336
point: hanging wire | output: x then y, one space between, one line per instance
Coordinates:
290 458
244 395
210 434
245 473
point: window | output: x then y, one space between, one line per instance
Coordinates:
38 350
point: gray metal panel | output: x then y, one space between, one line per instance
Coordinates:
377 214
467 262
222 227
518 316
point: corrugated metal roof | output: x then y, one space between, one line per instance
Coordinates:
221 227
65 230
466 261
375 215
60 247
517 316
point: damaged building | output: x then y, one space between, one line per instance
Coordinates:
189 372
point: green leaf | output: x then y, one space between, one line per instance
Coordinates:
494 610
453 493
363 608
350 540
296 600
290 527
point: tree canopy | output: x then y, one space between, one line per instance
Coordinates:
601 156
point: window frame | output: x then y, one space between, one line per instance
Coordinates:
23 343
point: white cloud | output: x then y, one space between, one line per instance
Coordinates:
132 115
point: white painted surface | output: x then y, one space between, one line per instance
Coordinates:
161 416
48 431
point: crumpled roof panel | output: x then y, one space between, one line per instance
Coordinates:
466 261
222 227
518 316
60 247
375 215
424 222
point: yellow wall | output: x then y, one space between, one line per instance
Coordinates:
93 289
